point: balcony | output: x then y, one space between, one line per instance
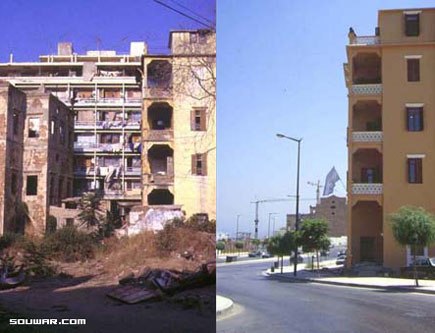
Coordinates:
122 194
159 178
367 189
366 89
158 92
366 40
367 136
159 135
107 125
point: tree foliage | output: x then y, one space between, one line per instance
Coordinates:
413 227
282 245
313 236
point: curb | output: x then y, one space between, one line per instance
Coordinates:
227 309
348 284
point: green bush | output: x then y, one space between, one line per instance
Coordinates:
200 222
220 246
166 238
9 238
69 244
51 224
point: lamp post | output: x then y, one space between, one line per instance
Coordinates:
268 226
282 136
237 228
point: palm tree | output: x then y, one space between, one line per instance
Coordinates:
413 227
90 212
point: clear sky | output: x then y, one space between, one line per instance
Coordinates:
280 70
34 27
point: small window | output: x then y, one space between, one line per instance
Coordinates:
62 134
414 118
199 164
69 222
413 70
32 185
198 120
33 128
16 123
412 24
202 37
415 171
14 183
52 127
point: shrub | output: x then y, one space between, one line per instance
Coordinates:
51 224
35 260
166 238
200 222
69 244
220 246
9 238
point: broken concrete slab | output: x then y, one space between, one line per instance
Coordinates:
133 294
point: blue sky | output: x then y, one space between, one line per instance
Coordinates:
33 27
280 70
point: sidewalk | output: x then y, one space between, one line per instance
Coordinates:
385 283
223 305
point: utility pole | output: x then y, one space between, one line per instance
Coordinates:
318 186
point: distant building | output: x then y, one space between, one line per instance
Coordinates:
332 208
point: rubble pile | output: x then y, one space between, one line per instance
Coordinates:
152 284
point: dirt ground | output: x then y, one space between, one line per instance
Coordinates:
84 296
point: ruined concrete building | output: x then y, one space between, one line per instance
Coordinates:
137 128
36 156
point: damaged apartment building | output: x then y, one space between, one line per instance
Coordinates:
142 129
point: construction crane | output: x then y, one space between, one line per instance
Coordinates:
317 190
257 202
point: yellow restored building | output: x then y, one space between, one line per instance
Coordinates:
179 125
391 143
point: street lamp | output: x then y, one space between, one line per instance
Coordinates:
237 228
268 227
282 136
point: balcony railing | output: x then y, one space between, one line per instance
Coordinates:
371 189
108 124
103 101
133 171
366 40
103 147
366 89
159 135
367 136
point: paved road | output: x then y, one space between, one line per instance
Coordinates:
272 306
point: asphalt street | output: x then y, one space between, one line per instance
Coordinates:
264 305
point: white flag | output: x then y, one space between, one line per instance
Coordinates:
331 178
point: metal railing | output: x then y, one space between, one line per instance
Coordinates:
108 124
366 40
371 189
366 89
367 136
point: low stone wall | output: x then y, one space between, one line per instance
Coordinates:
62 215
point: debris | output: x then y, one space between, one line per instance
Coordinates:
132 294
11 279
151 283
127 279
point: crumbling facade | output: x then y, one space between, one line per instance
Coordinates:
38 136
179 127
389 77
143 125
